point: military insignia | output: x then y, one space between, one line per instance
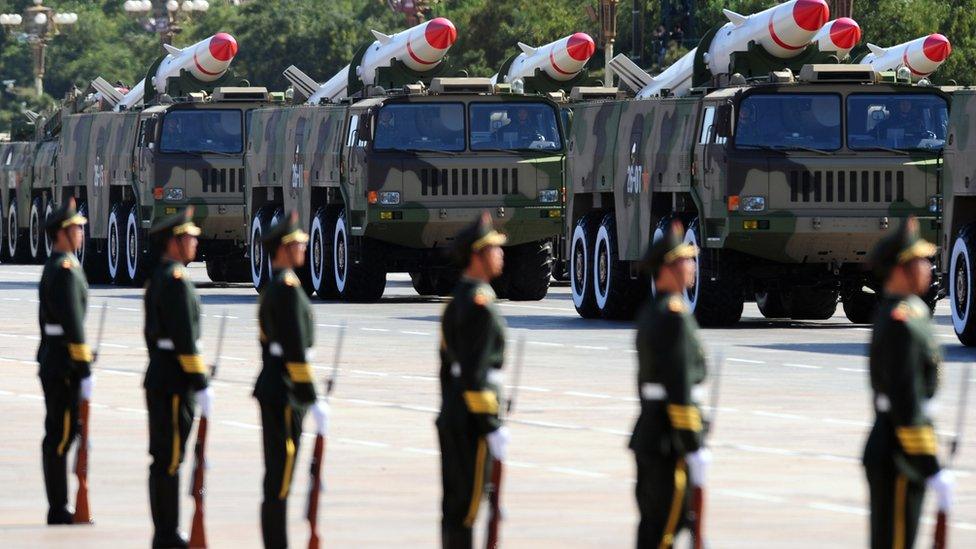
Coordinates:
291 280
677 305
177 273
483 297
901 313
67 264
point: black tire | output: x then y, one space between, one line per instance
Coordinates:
529 270
320 253
135 247
260 263
962 301
617 294
16 242
435 283
859 307
4 256
364 280
36 237
237 269
715 303
115 245
772 304
216 270
580 266
423 283
91 259
812 304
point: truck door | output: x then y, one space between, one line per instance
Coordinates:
709 163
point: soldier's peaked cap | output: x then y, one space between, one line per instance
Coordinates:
286 231
670 247
899 247
478 235
178 224
64 217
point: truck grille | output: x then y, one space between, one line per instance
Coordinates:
222 180
861 186
469 181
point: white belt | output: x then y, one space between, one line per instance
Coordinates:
455 370
883 404
656 391
496 376
165 344
53 330
275 349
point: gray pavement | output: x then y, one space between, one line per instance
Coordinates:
792 420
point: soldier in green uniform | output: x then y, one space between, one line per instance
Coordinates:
63 355
285 387
472 351
667 439
899 457
176 377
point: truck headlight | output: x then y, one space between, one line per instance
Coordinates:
174 194
935 204
389 198
550 196
752 204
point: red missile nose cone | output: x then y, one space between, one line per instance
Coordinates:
223 47
580 46
937 48
810 15
845 33
440 33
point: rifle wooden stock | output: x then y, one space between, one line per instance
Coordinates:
198 536
495 500
941 531
82 509
315 481
698 511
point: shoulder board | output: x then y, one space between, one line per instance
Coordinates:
483 296
677 305
901 312
67 263
178 273
291 280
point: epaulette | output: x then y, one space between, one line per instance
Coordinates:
902 312
67 263
483 296
291 280
178 273
677 305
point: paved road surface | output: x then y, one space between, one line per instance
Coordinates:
792 420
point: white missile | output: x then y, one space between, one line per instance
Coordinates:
207 60
921 56
560 60
783 31
420 48
838 37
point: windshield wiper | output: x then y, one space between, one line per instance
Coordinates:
891 150
811 149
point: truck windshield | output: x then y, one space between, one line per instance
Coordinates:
896 121
514 126
420 127
202 131
789 122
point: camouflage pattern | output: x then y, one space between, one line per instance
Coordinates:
15 169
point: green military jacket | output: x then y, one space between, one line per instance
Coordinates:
905 361
63 302
672 364
172 331
472 353
287 332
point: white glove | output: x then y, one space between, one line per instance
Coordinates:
942 483
698 463
498 443
205 398
87 384
320 411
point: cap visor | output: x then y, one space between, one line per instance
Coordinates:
186 228
920 248
76 219
494 238
299 236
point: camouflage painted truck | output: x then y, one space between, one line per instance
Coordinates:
16 153
959 190
387 161
785 171
131 156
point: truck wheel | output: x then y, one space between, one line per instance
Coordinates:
859 307
580 270
216 270
115 254
812 304
320 254
714 302
962 302
4 252
260 263
529 269
423 283
440 282
36 234
91 260
48 245
617 294
772 304
135 249
363 281
16 247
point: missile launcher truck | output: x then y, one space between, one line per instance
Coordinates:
785 168
16 150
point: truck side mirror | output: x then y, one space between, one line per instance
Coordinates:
723 121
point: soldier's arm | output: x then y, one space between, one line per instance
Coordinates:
474 348
906 394
290 327
69 298
178 302
676 353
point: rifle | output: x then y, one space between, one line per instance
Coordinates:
318 453
495 487
698 492
198 535
942 519
82 507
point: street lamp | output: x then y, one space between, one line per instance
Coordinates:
164 17
40 23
